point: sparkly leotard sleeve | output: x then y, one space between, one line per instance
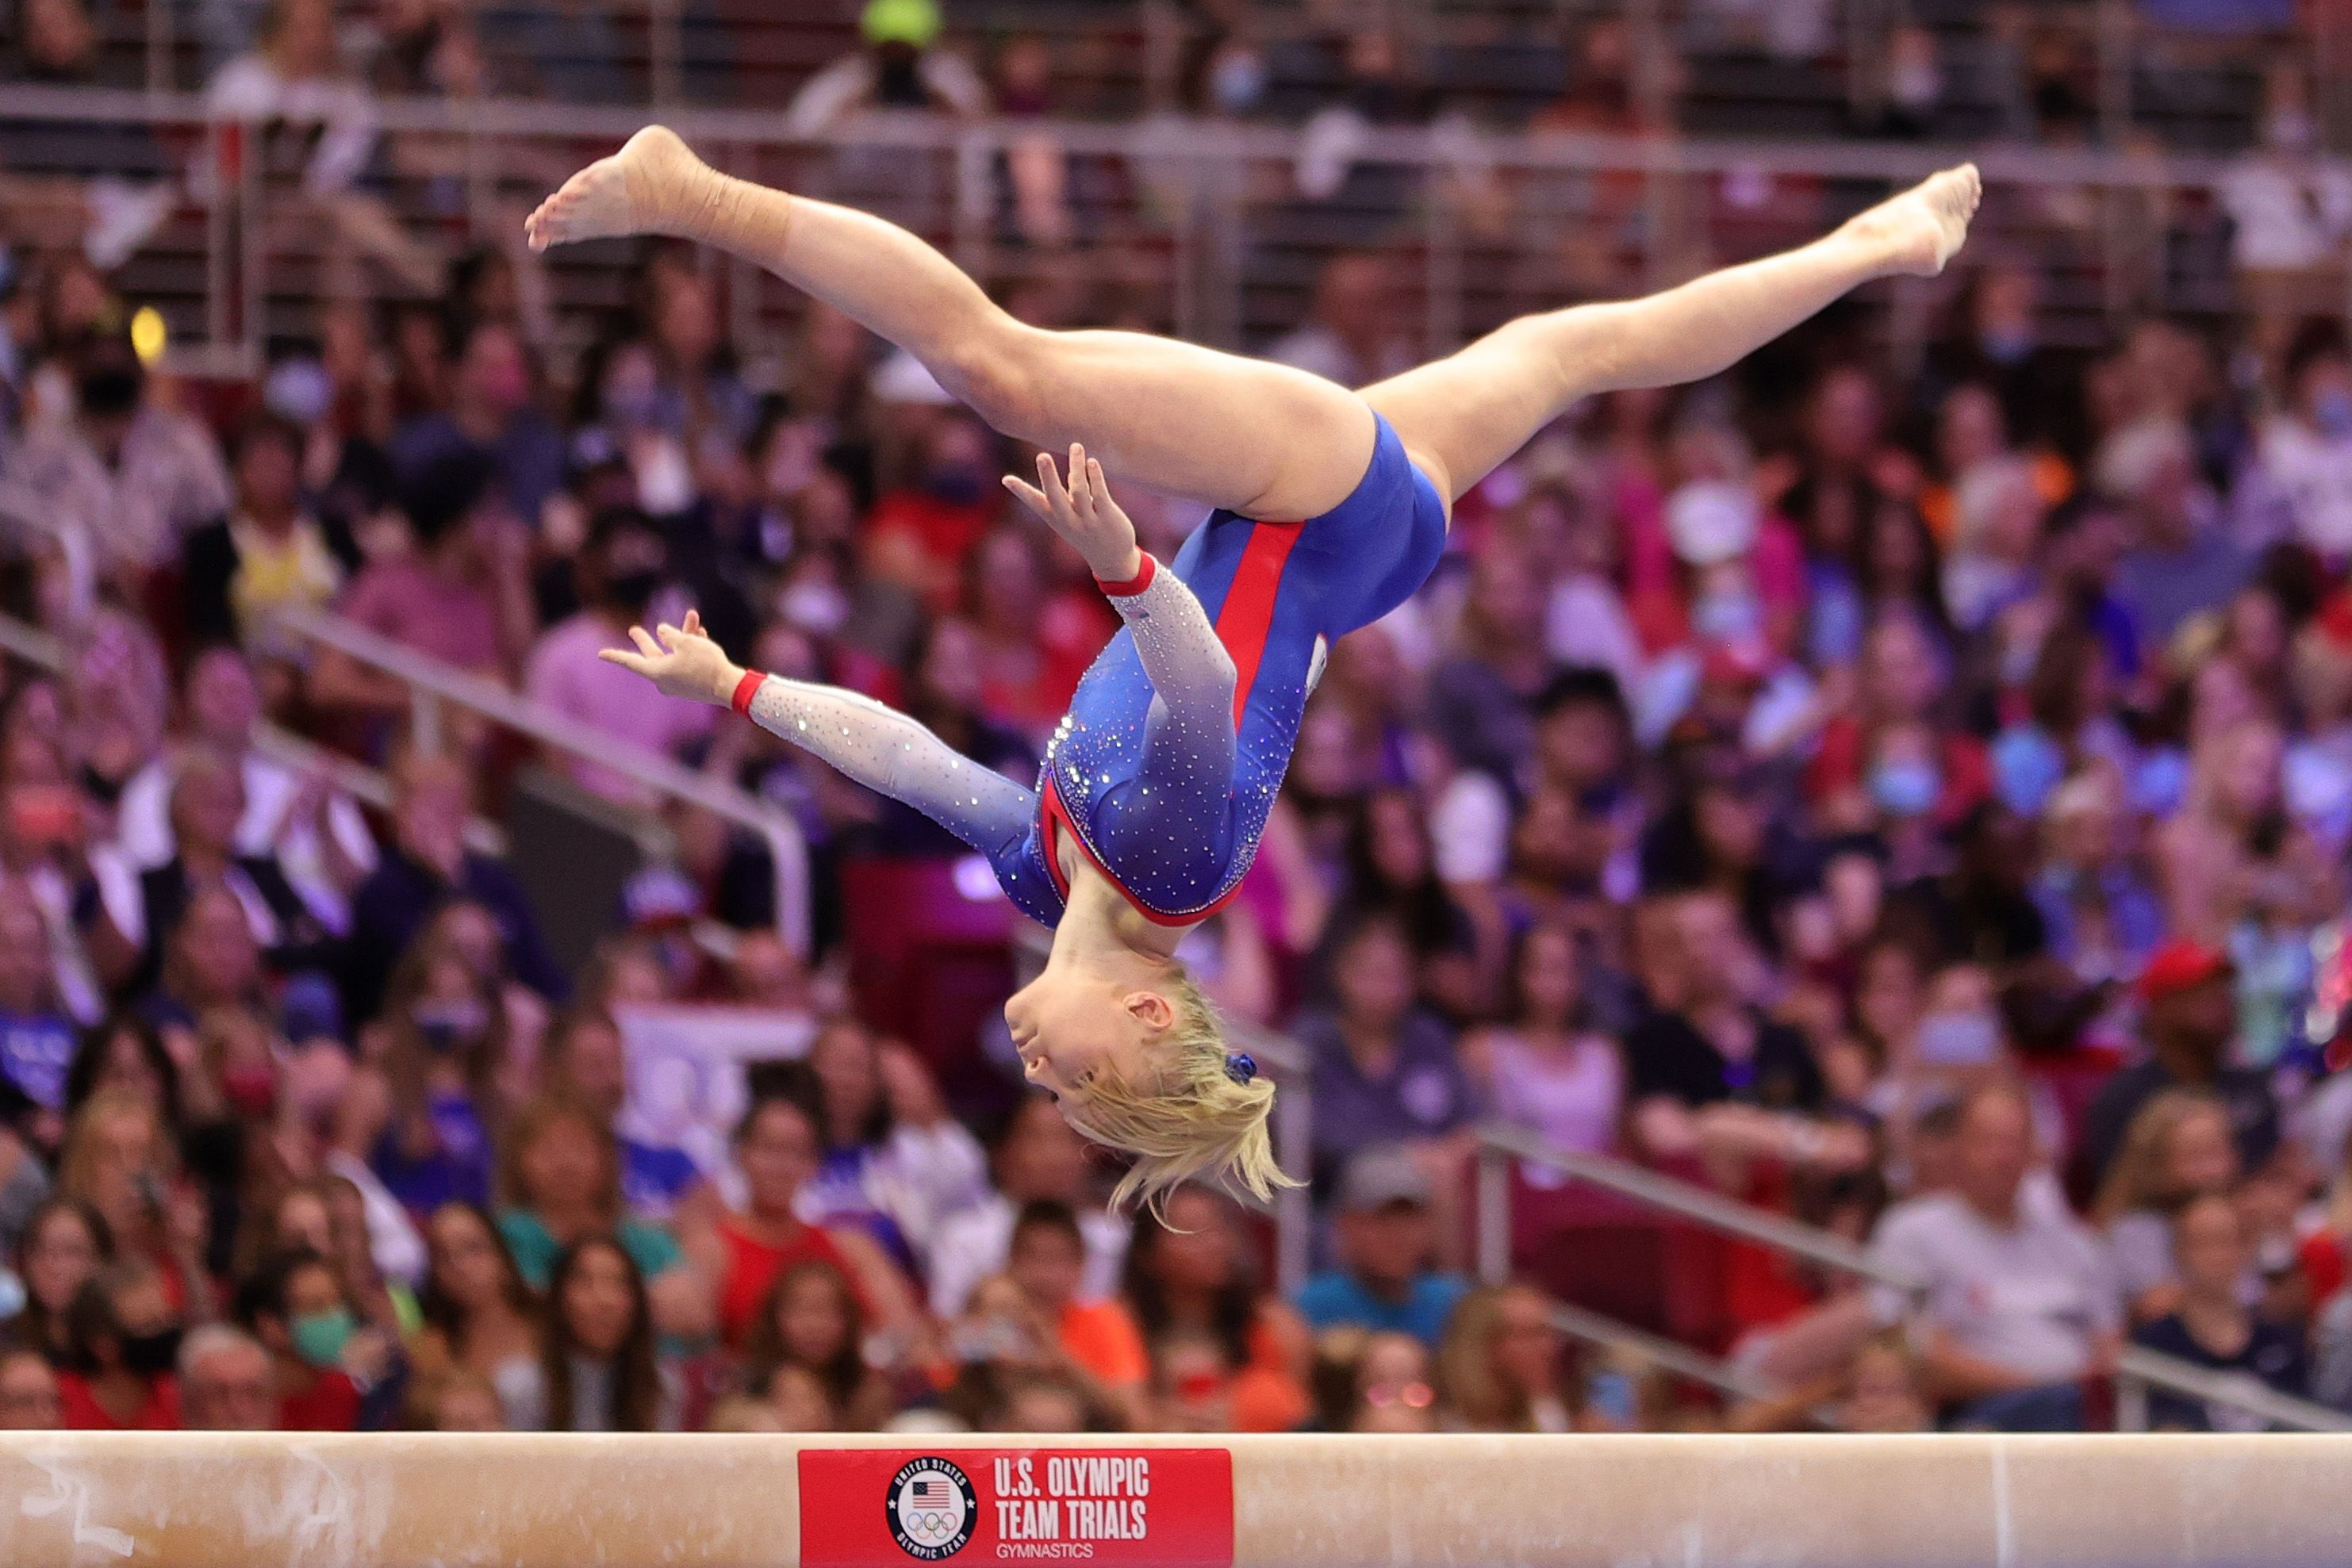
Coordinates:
894 754
1164 770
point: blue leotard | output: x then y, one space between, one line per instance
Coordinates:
1164 768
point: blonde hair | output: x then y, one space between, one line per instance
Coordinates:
1196 1120
2136 1178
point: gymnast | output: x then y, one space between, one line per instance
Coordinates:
1156 783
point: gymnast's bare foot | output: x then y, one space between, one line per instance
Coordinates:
653 185
1918 231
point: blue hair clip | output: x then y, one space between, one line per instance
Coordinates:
1241 1066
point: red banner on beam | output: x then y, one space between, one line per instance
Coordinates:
888 1508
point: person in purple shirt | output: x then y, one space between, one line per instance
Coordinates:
1385 1070
36 1037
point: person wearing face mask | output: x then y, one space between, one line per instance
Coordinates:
623 562
332 1375
121 1339
2304 458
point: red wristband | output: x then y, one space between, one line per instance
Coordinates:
745 690
1133 585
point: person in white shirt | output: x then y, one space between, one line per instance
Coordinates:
316 833
1036 1156
2305 460
2016 1305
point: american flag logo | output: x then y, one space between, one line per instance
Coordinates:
927 1490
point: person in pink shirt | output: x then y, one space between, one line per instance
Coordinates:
623 560
460 593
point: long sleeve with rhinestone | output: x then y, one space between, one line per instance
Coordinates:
1191 673
893 754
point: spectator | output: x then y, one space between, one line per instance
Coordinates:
584 1060
37 1037
492 436
458 594
423 1115
2305 452
133 473
29 1396
461 1401
269 553
2017 1306
2189 1016
1385 1071
1036 1156
2210 1325
560 1186
1192 1285
227 1382
1349 335
122 1337
776 1146
2183 561
480 1319
62 1247
601 1371
2177 1149
1096 1344
207 805
1384 1280
1710 1075
899 67
1547 1069
622 563
811 1323
1500 1364
118 1158
294 1305
329 1216
312 830
897 1164
427 863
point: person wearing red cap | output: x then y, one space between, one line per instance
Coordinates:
2188 996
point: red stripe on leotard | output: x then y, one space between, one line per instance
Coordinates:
1247 614
1053 821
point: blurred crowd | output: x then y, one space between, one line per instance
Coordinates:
1912 797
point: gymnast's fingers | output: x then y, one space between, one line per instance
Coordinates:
646 644
626 660
669 634
1031 496
1083 470
1098 488
693 627
1056 490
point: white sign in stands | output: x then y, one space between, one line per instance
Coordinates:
686 1073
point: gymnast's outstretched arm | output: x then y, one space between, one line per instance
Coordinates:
875 745
1263 439
1190 735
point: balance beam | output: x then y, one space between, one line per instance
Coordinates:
520 1500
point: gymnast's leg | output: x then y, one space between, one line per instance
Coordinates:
1461 417
1261 439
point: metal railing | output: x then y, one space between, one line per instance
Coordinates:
2137 1369
1222 247
1132 55
432 684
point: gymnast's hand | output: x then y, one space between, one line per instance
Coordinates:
1083 513
685 663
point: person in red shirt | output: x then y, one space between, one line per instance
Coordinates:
294 1305
122 1337
777 1145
